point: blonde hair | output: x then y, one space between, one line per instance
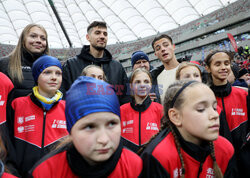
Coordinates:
184 65
15 69
85 71
134 74
137 71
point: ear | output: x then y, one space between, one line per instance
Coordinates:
87 36
175 117
174 46
208 69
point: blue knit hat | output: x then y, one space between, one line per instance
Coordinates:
137 56
42 63
88 95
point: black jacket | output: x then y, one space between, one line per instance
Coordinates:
113 70
155 88
25 87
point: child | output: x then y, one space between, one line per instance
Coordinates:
232 100
8 158
39 119
93 148
188 70
189 145
95 72
141 118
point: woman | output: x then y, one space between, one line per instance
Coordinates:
32 44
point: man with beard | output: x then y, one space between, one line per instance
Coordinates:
97 54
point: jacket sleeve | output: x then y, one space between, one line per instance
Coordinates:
66 78
152 168
125 97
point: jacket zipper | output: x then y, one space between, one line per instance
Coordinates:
200 169
43 135
139 128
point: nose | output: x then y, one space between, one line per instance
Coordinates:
214 114
53 76
103 137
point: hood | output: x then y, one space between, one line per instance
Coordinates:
88 57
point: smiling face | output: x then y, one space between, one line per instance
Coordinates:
219 68
190 73
36 40
164 50
49 81
97 136
198 119
98 37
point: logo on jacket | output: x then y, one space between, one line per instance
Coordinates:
152 126
210 173
20 120
59 124
1 102
177 172
20 129
237 112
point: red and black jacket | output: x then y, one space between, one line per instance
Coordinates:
233 102
67 162
5 88
35 130
139 122
161 159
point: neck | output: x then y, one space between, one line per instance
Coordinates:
218 82
96 53
171 64
139 100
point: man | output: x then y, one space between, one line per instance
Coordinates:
164 75
140 60
96 53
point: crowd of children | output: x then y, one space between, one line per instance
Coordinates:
198 130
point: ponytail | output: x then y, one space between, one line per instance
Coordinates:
217 170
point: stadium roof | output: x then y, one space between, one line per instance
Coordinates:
127 20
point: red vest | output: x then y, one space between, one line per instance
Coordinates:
166 153
5 87
236 107
139 127
32 124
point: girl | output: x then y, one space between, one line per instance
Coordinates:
32 44
188 70
8 158
93 148
39 119
141 118
95 72
189 145
232 100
